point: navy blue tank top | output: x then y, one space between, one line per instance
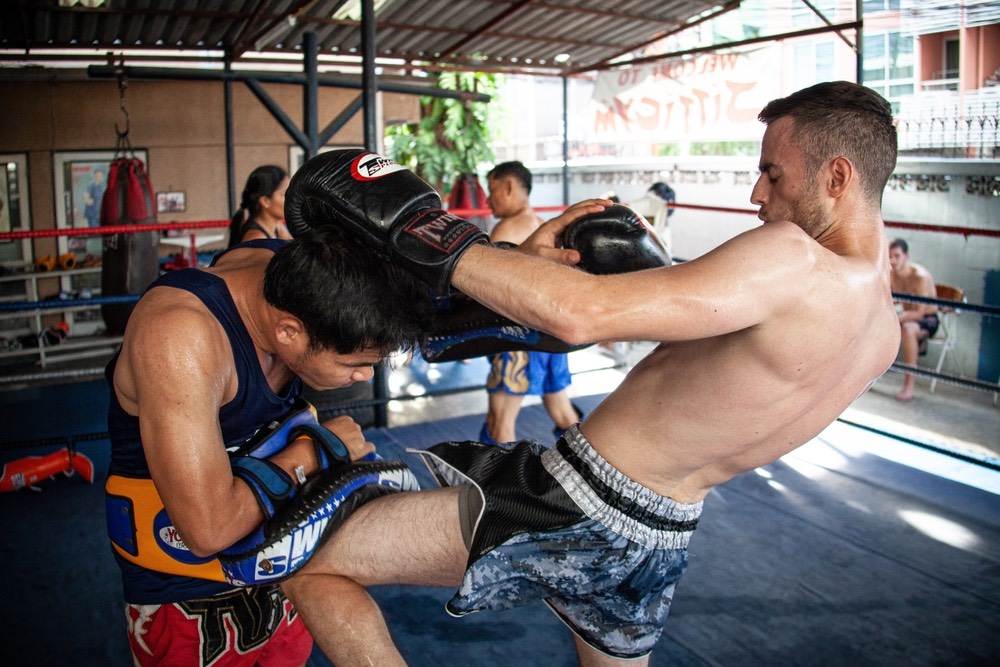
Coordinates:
254 405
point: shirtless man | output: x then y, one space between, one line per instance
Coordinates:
514 374
764 342
917 321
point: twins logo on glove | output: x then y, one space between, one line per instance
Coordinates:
370 166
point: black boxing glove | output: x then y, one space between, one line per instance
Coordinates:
383 204
615 240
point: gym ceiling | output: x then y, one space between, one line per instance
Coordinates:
413 38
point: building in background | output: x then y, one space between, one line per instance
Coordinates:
937 64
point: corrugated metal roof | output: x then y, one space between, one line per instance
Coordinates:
500 35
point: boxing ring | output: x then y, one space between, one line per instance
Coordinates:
835 554
863 546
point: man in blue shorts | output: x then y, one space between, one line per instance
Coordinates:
516 374
764 342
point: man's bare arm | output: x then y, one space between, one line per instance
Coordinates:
731 288
180 375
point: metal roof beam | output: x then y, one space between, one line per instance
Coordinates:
170 73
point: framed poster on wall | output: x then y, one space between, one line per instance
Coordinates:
80 182
15 256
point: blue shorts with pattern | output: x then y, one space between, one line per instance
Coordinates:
563 526
533 373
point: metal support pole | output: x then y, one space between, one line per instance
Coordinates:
368 84
565 123
310 94
227 96
380 381
859 42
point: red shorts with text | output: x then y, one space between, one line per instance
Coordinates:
240 628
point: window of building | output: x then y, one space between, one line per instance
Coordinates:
813 63
874 6
951 59
888 65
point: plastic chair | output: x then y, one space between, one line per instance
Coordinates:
945 336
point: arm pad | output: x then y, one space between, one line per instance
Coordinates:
469 329
285 543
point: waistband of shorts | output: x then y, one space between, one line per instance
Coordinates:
612 499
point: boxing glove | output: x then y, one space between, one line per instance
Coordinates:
615 240
383 204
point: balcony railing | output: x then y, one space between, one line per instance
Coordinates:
947 124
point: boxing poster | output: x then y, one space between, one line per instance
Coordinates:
712 97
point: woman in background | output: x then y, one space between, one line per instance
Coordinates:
261 214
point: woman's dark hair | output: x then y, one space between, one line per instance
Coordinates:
346 296
262 182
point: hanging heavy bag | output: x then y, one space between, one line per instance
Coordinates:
130 261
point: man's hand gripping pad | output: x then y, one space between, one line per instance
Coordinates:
285 543
615 240
385 205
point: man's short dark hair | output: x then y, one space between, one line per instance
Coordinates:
842 118
346 296
901 244
515 170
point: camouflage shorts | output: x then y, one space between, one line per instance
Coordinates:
610 576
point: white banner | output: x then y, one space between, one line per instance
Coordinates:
711 98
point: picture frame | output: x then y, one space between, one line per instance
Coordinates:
16 213
15 255
4 201
170 202
78 189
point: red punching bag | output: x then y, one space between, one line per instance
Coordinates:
468 193
130 261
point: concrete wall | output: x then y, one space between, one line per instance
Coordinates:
924 192
181 125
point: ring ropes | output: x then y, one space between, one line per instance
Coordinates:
55 304
987 310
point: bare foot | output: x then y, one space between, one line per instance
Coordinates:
905 394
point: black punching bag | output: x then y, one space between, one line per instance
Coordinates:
130 261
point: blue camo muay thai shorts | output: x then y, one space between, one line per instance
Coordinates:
562 525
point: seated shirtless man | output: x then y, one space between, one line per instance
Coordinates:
764 341
917 321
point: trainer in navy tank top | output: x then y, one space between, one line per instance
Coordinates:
254 405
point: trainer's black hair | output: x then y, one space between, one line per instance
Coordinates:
516 170
262 182
347 297
842 118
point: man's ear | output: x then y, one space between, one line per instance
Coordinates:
840 176
289 330
510 185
